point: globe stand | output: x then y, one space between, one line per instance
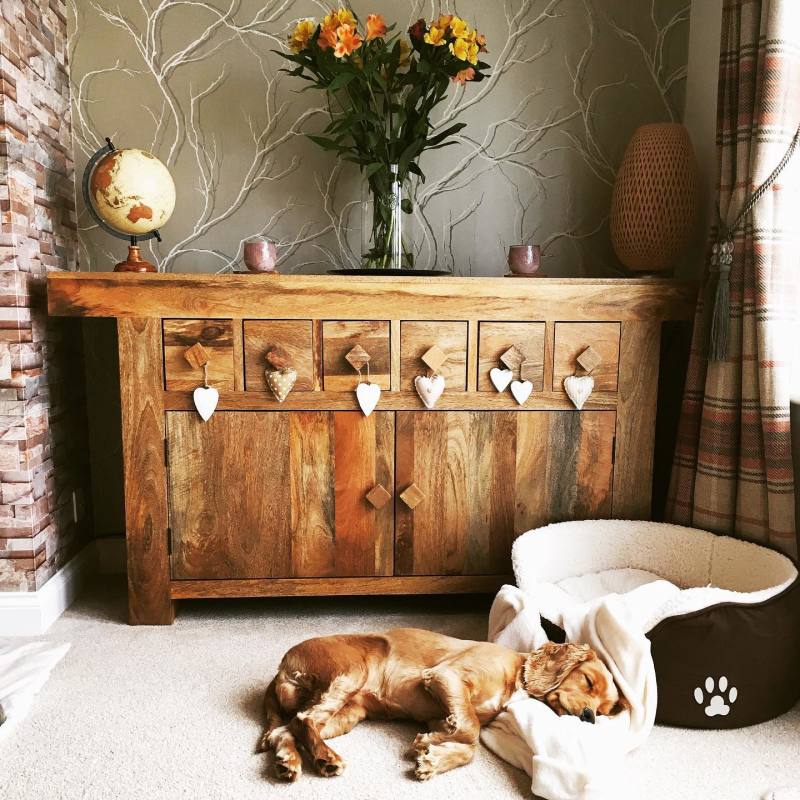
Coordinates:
134 262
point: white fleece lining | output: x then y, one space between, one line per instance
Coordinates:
666 570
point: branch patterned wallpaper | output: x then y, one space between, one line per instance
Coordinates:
197 82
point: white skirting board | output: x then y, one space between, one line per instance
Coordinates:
32 613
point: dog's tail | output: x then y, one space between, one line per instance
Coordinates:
274 714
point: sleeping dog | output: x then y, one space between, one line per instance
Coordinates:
326 686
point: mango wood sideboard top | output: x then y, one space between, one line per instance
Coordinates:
109 294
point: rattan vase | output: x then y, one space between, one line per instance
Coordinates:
654 205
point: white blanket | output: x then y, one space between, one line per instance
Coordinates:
568 759
24 669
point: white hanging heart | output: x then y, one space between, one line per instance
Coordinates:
205 401
501 378
368 395
578 389
281 381
429 389
521 391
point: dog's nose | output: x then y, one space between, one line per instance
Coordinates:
587 715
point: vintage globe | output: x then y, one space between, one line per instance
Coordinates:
132 191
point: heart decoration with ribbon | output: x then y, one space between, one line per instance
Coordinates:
281 382
368 395
205 401
429 389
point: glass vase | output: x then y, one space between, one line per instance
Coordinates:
387 221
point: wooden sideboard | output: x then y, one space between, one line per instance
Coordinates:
312 497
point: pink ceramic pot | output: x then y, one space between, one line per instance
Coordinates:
524 259
260 255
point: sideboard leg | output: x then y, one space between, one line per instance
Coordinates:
640 343
143 432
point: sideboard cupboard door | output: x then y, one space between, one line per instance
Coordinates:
265 494
468 483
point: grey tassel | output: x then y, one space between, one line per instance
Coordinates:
720 317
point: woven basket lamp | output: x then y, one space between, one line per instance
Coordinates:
654 205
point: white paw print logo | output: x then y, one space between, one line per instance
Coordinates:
718 696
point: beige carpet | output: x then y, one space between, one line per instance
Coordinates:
151 713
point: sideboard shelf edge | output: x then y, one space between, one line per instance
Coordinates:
240 296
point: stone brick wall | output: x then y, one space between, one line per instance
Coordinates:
43 454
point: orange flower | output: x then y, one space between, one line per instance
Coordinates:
464 75
480 40
327 37
376 27
349 41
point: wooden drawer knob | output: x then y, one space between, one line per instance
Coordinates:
378 496
412 496
589 359
197 356
357 357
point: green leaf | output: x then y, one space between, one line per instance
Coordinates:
374 167
406 206
340 81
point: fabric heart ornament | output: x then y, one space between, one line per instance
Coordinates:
501 378
578 389
368 395
280 382
205 401
429 389
521 391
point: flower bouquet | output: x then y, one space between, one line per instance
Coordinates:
381 90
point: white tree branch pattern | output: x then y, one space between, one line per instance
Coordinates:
570 82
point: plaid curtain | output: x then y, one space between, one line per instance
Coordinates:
732 471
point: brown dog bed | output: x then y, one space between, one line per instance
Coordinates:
722 615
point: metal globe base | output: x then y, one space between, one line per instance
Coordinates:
134 262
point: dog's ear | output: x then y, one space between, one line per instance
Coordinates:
546 668
621 705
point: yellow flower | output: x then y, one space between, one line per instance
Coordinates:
464 51
405 51
301 35
459 28
443 21
342 16
435 36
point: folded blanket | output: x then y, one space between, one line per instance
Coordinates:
568 759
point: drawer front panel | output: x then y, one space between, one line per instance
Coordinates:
339 338
496 338
216 338
573 338
416 338
293 336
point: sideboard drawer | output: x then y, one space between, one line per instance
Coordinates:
216 337
339 338
417 338
292 335
497 338
573 338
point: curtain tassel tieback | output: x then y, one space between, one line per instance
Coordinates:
721 261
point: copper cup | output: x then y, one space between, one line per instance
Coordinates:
524 259
260 255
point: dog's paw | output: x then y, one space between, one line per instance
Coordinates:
426 766
421 742
329 765
288 765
